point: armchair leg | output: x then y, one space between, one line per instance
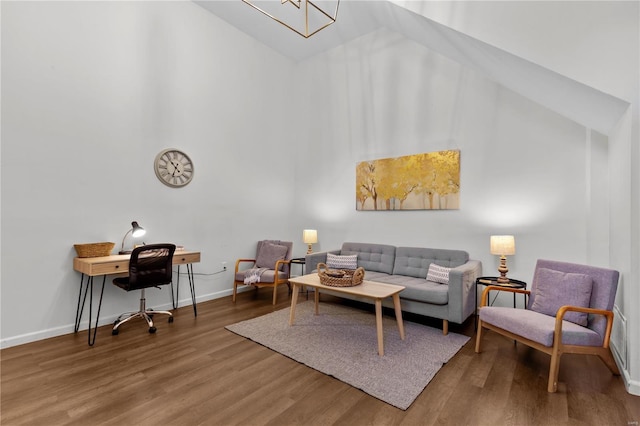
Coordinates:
554 368
235 290
479 337
607 358
275 293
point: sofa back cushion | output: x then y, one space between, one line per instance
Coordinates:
372 257
415 261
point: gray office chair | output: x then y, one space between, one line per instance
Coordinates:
149 266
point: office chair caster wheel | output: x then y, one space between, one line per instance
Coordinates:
170 319
115 332
152 330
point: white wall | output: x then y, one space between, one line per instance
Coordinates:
91 92
523 166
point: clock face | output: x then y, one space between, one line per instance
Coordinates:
173 167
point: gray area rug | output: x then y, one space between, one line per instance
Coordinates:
341 342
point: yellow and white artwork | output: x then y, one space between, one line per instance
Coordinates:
429 181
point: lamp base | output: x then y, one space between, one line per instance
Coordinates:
309 251
502 279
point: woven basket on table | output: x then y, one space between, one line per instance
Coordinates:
94 249
340 277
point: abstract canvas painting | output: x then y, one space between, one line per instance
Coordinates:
429 181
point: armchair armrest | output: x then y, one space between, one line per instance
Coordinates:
280 264
567 308
239 261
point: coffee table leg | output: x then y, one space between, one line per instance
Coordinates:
398 309
379 327
294 301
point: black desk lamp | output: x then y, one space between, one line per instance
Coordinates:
135 231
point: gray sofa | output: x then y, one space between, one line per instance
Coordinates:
408 266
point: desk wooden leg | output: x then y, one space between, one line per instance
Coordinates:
379 327
398 309
294 301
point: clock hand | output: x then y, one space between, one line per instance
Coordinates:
174 167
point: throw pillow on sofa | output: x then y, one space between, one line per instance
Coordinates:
335 261
438 274
555 289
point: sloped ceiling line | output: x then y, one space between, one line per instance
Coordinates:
576 101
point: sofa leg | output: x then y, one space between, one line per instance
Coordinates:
445 327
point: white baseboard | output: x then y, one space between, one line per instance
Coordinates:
68 328
632 386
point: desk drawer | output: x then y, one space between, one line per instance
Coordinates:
184 258
110 268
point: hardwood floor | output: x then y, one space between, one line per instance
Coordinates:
194 372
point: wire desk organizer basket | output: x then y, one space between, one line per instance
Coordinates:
340 277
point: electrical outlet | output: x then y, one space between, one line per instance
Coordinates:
224 266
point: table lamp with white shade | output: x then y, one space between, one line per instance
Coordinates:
503 246
309 236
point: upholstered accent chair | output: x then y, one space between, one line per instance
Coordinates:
570 310
270 267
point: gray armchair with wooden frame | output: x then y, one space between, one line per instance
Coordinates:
270 267
570 310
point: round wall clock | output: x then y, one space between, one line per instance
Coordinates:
173 167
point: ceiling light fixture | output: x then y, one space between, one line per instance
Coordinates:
304 17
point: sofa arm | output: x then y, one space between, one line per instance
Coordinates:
462 281
312 260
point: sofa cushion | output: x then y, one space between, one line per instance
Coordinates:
372 257
415 261
555 289
438 274
417 289
335 261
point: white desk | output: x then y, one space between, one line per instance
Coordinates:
118 265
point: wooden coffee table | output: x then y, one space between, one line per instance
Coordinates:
368 289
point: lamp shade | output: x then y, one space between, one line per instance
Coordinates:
310 236
503 245
137 230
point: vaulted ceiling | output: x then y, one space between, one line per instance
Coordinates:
583 104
